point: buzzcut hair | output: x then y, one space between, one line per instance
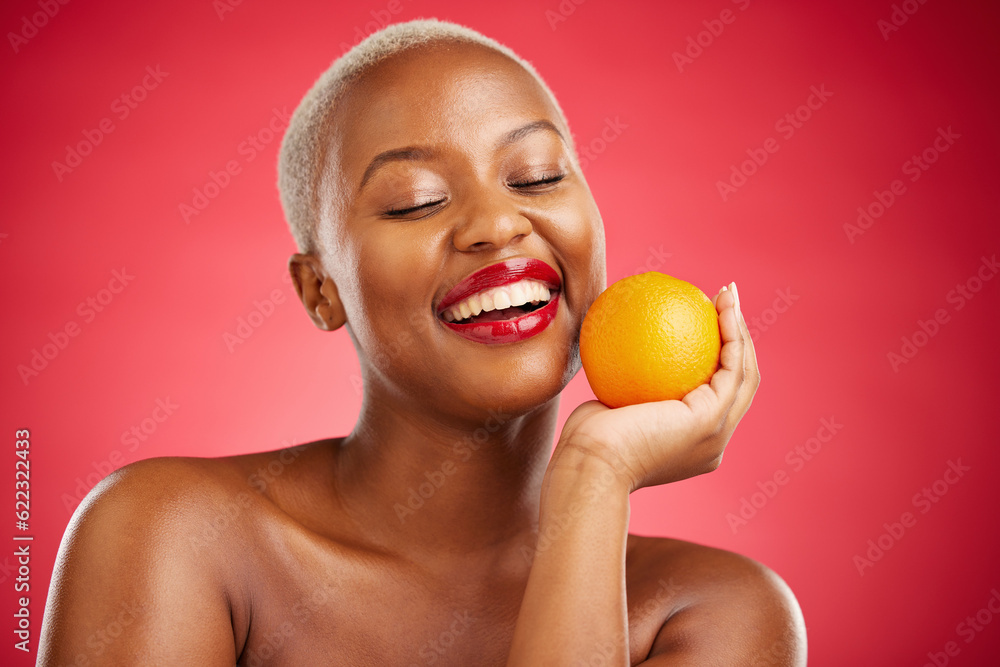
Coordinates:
302 155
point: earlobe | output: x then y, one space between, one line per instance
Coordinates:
317 291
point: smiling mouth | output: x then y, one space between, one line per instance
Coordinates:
507 302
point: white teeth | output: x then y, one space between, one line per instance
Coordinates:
518 295
475 304
498 298
487 300
501 299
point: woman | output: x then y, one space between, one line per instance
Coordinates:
429 169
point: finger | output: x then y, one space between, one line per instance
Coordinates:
716 297
726 381
749 352
751 374
729 324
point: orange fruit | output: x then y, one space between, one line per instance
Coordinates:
649 337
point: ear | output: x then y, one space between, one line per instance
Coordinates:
317 291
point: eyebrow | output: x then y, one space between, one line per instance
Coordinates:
417 153
410 153
525 130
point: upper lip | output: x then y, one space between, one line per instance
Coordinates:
502 273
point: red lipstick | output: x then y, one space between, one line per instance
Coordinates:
498 275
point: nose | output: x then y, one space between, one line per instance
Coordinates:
490 221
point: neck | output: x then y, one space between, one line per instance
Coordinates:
424 486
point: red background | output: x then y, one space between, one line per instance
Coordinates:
824 357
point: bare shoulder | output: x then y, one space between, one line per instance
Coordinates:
715 606
172 500
135 568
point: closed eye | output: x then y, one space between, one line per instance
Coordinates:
397 212
536 183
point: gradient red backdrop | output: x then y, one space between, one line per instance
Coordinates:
876 338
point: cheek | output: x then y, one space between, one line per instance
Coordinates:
579 236
391 290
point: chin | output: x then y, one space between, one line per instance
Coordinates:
527 384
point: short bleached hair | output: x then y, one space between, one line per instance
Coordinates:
302 154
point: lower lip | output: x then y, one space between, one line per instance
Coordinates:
509 331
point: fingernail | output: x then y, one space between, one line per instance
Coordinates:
721 290
736 296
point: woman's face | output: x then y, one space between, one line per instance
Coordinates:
443 161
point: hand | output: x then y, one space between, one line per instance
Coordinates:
665 441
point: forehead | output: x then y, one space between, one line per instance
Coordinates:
444 93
